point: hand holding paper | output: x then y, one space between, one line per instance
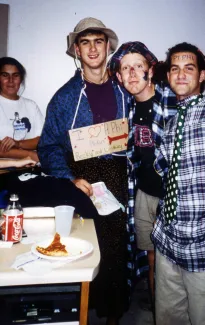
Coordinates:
104 200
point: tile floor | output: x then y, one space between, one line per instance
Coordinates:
134 316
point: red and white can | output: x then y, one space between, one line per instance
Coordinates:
12 226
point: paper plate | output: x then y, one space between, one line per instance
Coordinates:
75 247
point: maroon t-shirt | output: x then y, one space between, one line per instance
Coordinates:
102 101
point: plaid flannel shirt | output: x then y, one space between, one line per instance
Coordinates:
183 241
164 108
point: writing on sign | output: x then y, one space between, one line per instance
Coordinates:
99 139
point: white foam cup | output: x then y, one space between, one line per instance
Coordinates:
63 219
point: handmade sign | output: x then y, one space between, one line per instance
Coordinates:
99 139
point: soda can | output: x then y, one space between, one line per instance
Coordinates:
12 226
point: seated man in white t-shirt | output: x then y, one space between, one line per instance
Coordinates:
21 119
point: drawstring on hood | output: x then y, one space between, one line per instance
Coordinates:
107 54
79 67
123 110
77 61
123 101
79 100
83 92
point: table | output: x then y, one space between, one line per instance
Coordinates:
82 271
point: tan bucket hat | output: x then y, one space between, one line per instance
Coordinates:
91 23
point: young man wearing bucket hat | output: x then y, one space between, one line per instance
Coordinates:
133 64
89 98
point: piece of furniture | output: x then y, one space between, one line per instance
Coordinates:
71 277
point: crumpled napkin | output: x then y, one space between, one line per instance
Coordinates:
35 265
104 200
24 259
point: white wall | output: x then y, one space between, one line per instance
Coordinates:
38 30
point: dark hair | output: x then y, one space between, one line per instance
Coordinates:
90 31
11 61
186 47
160 72
27 123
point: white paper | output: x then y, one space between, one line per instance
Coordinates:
6 244
104 200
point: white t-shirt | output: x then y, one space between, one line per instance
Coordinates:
20 119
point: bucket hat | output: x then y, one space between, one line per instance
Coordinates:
95 24
130 47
